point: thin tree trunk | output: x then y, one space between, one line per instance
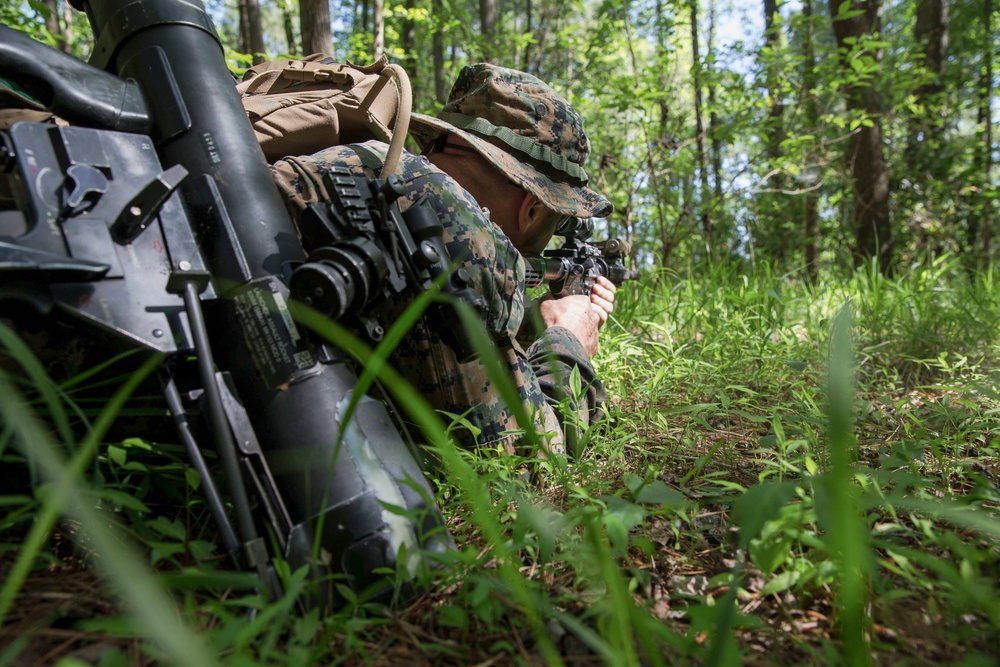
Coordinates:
714 128
661 58
437 46
772 38
931 34
488 28
666 236
52 24
365 9
985 121
378 29
68 17
410 60
526 54
314 23
244 27
288 24
548 12
773 215
254 31
810 230
696 76
866 159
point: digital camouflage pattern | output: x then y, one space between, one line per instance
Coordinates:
496 271
526 129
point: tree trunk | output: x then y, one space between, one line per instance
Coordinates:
378 29
250 10
314 23
52 24
548 15
773 203
410 60
488 24
364 8
714 128
526 54
985 124
775 116
810 227
865 157
288 24
437 46
696 77
243 43
652 162
663 102
927 126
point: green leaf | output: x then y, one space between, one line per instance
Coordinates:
620 517
193 478
658 493
116 454
169 528
307 626
771 550
453 617
781 582
758 505
122 499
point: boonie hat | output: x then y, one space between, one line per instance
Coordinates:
525 129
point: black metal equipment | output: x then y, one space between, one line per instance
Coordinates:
574 268
154 217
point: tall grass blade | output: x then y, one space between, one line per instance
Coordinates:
155 613
847 537
40 380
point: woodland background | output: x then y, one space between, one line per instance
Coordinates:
802 459
816 136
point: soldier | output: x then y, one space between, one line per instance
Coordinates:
502 165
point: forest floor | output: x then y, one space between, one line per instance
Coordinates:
703 523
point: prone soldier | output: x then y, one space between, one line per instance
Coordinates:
503 166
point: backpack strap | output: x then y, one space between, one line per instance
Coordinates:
402 124
305 105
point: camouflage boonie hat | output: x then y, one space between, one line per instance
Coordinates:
525 129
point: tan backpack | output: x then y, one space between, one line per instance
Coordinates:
298 107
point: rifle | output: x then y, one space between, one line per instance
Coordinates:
574 268
153 216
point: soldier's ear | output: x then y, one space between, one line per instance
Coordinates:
531 214
535 225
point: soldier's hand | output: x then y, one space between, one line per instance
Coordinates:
602 296
575 313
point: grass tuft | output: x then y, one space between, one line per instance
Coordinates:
789 474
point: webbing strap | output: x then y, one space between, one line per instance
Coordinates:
526 145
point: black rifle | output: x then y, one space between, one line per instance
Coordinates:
575 267
154 216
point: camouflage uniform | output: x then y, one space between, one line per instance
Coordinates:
550 147
496 272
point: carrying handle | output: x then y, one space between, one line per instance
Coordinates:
402 124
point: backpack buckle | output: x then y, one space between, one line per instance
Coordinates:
335 76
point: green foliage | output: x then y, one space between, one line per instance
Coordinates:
774 475
764 460
774 112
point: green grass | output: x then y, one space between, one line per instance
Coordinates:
789 474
